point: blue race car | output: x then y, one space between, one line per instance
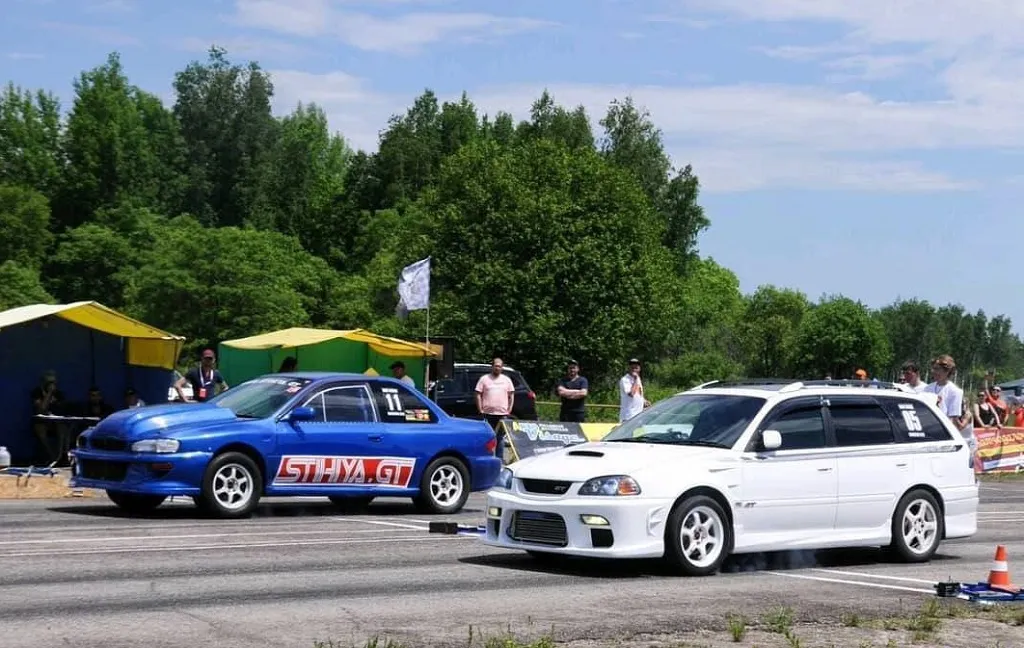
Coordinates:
346 437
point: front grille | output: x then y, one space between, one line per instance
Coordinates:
103 470
539 528
109 444
546 486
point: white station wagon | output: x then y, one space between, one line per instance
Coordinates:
745 467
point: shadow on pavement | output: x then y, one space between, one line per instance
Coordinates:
265 511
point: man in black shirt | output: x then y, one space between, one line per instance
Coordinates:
47 399
573 391
205 380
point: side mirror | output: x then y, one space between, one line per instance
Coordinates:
771 439
301 414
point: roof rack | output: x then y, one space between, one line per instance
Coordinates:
789 385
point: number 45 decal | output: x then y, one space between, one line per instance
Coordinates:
912 421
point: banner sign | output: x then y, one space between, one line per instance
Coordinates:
999 450
531 438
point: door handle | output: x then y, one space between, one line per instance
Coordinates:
460 401
824 470
376 437
902 464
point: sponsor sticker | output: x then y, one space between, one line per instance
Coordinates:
311 470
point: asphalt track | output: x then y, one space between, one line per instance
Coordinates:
77 573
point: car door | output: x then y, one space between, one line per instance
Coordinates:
410 430
871 465
335 449
789 494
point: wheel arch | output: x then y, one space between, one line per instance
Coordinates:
250 452
454 454
719 497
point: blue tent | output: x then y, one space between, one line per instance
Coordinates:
86 344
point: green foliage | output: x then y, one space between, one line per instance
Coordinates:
554 237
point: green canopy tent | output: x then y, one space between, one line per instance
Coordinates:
353 351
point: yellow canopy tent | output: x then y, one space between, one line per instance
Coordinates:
349 351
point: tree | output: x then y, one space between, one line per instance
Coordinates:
20 286
838 336
771 320
30 132
24 226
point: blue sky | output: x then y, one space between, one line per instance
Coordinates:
869 148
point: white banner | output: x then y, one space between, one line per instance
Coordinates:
414 287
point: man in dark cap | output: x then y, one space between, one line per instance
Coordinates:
398 371
572 389
631 392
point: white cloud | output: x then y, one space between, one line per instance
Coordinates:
24 56
405 34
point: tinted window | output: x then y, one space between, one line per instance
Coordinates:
347 405
397 404
800 428
915 421
861 424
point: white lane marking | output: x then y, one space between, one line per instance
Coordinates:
260 545
383 523
1016 519
878 576
189 524
188 536
840 581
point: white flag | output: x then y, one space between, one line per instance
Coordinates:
414 287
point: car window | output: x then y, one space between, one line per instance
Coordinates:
398 404
916 422
691 419
517 379
861 424
347 405
801 428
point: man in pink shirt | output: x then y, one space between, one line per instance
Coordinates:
495 394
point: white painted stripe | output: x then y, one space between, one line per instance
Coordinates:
878 576
840 581
383 523
222 547
999 565
131 525
189 536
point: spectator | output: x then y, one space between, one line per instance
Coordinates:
860 374
288 365
131 399
495 395
205 379
631 392
96 406
47 399
995 399
984 414
573 391
398 370
950 398
912 376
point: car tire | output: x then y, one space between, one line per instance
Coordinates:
682 541
444 487
351 504
917 527
232 486
134 502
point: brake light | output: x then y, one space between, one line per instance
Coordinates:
491 445
531 395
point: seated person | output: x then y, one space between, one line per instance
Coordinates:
131 399
96 406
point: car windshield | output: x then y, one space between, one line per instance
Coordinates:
260 397
715 420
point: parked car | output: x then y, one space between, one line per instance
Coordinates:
347 437
457 395
745 467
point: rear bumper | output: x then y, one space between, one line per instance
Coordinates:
143 474
961 505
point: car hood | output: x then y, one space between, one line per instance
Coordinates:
162 420
588 460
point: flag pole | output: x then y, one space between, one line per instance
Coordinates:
426 365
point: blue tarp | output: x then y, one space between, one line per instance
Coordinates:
81 357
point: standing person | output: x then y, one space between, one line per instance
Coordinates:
205 379
631 392
495 395
398 371
573 391
951 399
912 376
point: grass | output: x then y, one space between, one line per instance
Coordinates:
921 626
1001 476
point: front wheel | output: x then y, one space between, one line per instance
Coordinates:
698 537
917 527
444 487
232 486
134 503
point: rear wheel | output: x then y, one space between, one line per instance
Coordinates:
135 503
917 527
698 537
444 487
232 486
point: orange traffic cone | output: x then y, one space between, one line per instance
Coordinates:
999 576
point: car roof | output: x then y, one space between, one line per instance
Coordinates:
773 389
477 365
327 375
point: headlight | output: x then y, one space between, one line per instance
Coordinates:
611 485
504 479
161 446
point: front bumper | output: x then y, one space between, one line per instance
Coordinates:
141 473
571 525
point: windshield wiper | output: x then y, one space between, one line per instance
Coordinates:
645 438
705 442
